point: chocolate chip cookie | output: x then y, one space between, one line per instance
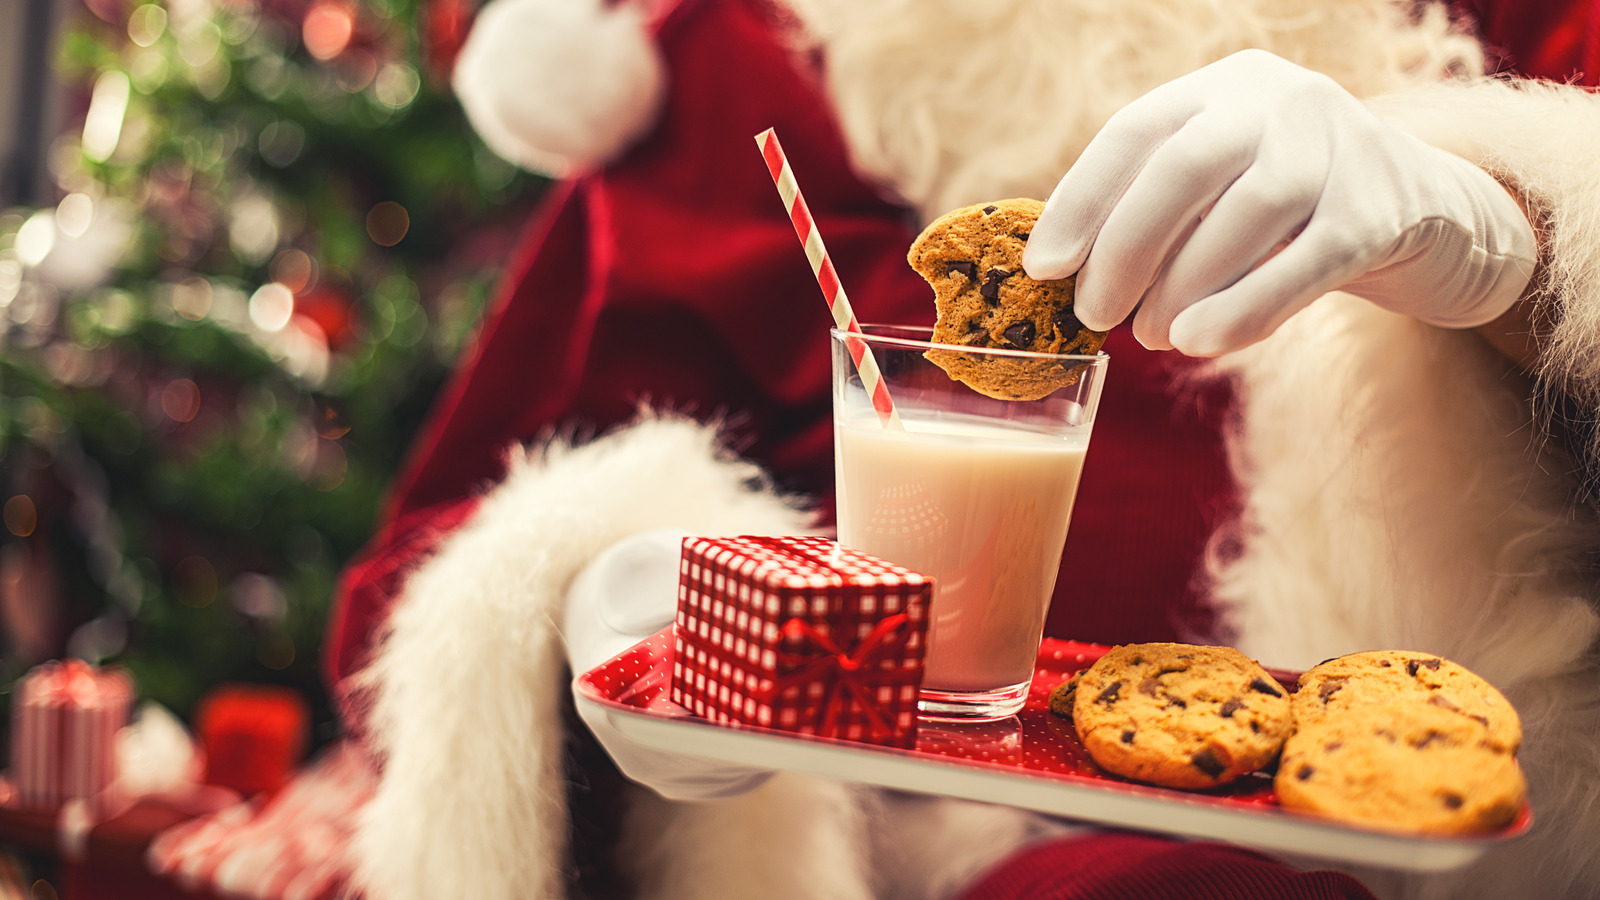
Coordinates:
1394 679
973 259
1064 695
1180 715
1410 767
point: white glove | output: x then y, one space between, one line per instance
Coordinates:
1222 203
626 594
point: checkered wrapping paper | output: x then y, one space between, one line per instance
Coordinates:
290 844
800 634
63 732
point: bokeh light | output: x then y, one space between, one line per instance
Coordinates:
331 423
10 278
327 29
36 238
295 270
180 400
271 306
253 227
74 214
396 85
259 597
191 298
102 123
281 142
387 223
276 651
146 24
195 581
20 515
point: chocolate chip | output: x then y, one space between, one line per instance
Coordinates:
1109 695
1020 235
1328 689
1415 665
1127 736
1136 661
1149 686
1454 801
1443 702
1174 701
964 266
1231 706
1384 663
1255 727
979 338
1020 335
1206 761
1304 772
1262 686
989 209
991 283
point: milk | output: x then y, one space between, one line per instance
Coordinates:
982 509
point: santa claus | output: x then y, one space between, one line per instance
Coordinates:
1372 431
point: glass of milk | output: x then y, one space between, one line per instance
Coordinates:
975 492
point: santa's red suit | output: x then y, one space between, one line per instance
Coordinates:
1386 484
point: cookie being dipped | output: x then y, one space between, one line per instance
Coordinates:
972 257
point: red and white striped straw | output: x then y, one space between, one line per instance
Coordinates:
827 278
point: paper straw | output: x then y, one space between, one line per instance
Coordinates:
828 279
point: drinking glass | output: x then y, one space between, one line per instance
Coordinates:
974 491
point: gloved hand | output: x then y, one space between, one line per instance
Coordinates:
1225 201
626 594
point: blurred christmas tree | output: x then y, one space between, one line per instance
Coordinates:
275 233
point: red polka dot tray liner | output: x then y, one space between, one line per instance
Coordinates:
1032 760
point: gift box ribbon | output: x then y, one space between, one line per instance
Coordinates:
852 671
71 684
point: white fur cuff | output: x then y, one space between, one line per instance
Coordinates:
559 86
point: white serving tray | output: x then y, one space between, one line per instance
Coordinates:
1032 761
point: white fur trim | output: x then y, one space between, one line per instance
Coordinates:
1397 494
796 837
559 86
470 677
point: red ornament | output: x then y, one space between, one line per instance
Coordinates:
253 735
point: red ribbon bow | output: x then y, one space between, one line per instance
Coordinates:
850 670
68 683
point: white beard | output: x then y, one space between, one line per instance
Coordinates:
951 102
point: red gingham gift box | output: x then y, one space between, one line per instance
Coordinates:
64 722
799 634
